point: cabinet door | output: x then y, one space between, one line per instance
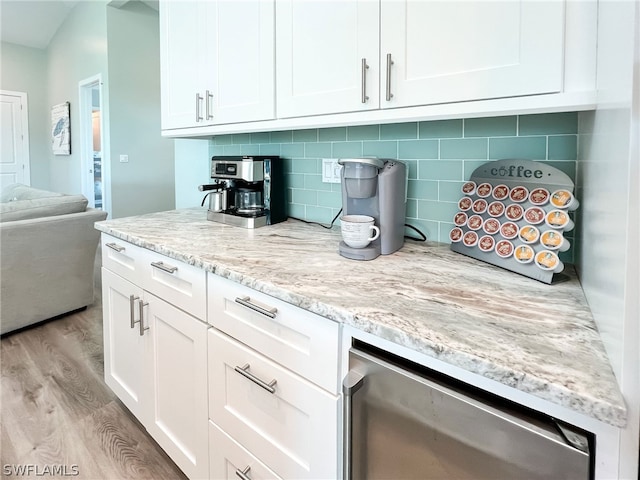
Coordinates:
182 46
286 422
320 47
446 51
124 348
241 61
176 415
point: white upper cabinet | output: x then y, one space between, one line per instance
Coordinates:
290 64
217 62
327 56
444 51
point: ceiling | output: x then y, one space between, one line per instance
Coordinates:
33 23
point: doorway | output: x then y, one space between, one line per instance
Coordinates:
92 140
14 139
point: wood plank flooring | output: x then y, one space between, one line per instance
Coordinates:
58 419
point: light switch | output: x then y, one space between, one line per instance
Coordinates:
330 170
124 158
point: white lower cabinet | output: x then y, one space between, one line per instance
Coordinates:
177 382
230 460
155 353
282 419
273 389
124 348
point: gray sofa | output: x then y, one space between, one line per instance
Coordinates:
47 252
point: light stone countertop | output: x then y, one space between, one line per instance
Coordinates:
540 339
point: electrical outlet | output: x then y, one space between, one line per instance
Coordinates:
331 170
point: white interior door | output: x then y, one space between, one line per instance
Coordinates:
14 142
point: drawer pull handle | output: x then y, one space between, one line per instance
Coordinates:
132 310
116 247
141 306
242 474
244 371
246 302
164 267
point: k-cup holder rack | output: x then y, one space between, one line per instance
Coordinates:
514 214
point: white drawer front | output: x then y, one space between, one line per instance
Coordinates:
303 342
122 258
182 285
293 430
228 460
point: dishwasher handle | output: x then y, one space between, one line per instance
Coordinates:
350 386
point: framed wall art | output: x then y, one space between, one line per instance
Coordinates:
61 129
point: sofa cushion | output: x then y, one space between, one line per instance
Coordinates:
21 202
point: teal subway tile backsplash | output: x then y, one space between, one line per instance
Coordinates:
440 156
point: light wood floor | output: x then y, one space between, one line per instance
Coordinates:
56 413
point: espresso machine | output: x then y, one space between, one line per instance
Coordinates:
377 188
248 191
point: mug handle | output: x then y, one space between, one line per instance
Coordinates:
377 234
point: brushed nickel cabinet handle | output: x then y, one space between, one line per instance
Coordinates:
389 63
141 306
164 267
244 371
246 302
242 474
116 247
365 67
207 104
132 309
198 116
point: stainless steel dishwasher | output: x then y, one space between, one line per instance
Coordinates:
405 422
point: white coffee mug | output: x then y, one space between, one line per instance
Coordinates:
356 230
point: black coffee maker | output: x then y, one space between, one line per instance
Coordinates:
248 191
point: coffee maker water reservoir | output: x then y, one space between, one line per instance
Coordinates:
377 188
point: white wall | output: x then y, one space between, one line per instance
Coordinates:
146 183
24 69
609 182
78 51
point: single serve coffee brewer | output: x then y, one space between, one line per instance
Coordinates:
377 188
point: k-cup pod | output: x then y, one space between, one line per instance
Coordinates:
491 226
479 206
514 212
500 192
496 209
534 215
455 235
539 196
460 219
560 220
549 261
504 248
470 239
486 243
519 194
564 199
554 240
469 188
529 234
465 204
475 222
509 230
523 254
484 190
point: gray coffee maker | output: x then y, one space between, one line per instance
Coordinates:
378 188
